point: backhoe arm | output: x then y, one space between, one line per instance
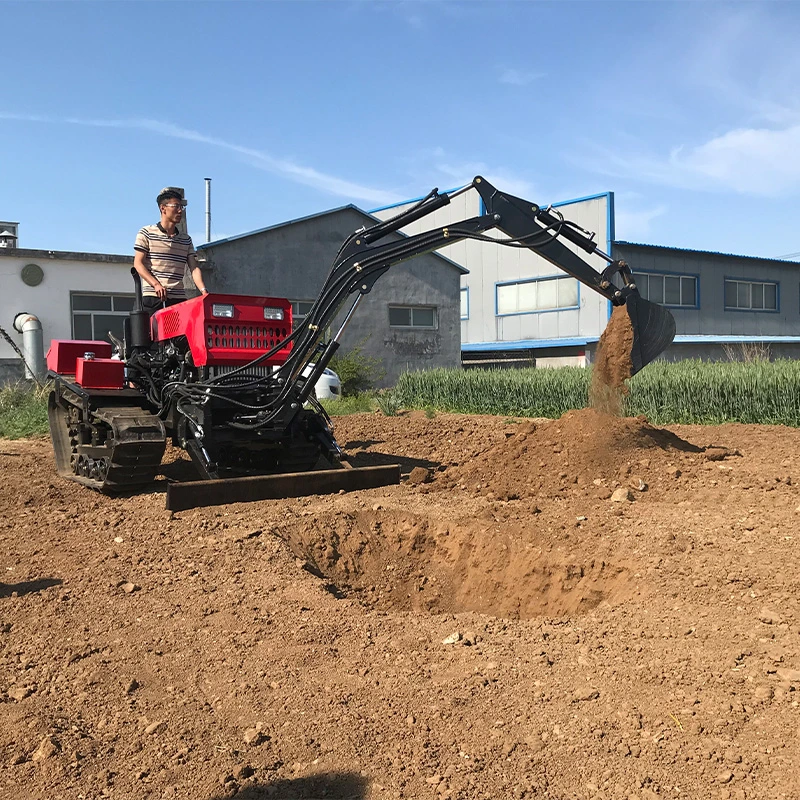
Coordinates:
541 229
364 257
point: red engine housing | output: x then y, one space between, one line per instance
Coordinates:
216 340
100 371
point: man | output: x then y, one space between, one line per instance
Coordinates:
162 254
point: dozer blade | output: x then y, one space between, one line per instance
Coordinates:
653 330
195 494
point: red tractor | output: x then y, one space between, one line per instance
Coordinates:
230 382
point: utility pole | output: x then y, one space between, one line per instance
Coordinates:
208 209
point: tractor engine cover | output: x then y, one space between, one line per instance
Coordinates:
227 329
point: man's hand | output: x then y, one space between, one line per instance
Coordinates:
160 290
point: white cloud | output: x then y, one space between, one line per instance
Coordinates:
745 57
715 107
516 77
755 161
257 158
633 224
463 173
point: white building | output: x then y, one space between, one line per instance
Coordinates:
516 307
74 295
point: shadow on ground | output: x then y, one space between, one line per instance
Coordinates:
181 469
334 786
373 459
26 587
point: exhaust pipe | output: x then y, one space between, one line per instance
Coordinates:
30 327
138 337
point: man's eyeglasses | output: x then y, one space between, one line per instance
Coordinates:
175 205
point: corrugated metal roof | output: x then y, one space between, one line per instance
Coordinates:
205 245
282 225
703 252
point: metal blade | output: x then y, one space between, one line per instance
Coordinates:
194 494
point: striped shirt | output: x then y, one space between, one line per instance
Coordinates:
165 256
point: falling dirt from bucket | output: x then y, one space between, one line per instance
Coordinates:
613 364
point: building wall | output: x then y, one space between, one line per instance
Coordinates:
64 272
293 260
489 337
711 318
12 371
489 265
735 349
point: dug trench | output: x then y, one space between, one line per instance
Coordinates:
400 561
486 561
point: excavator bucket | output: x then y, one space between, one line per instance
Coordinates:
653 330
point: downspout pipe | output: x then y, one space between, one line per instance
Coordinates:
30 327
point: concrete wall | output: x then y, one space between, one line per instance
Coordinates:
292 260
12 370
722 351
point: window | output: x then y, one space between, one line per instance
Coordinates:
751 296
412 317
95 315
465 303
668 290
545 294
300 310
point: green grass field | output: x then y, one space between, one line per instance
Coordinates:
686 392
23 411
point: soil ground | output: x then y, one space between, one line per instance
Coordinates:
582 608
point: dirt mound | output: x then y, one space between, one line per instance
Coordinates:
584 448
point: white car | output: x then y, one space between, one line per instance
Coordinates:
328 386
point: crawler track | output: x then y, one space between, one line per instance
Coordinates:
108 448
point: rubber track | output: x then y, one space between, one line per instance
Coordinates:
139 443
134 446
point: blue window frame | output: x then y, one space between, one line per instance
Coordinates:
678 290
744 295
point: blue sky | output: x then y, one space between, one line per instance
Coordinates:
688 111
